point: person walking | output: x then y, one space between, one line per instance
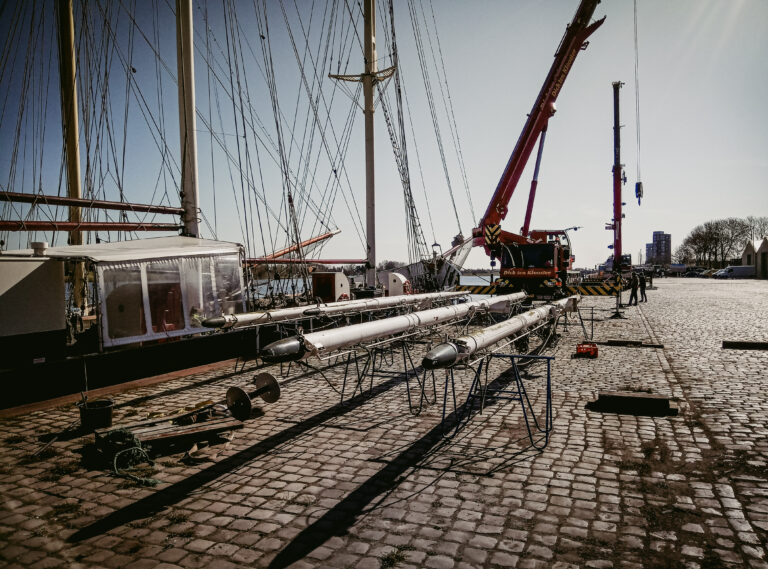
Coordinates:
633 284
643 298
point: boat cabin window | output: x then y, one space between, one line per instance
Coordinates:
124 304
198 290
228 285
164 290
164 298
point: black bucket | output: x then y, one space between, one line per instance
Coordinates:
96 414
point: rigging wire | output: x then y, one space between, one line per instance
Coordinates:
213 188
231 52
421 170
415 24
252 126
263 26
452 124
417 247
331 190
314 107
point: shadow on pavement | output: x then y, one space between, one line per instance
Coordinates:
160 500
338 520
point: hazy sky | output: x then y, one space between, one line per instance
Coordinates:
704 123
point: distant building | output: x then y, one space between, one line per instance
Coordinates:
659 252
756 253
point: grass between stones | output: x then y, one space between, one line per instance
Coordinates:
662 510
60 470
394 557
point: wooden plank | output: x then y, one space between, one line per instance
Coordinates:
167 432
153 421
196 430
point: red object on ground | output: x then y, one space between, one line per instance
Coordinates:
586 350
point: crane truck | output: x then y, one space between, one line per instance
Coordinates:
536 261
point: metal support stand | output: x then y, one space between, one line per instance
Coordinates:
374 358
538 434
584 328
410 367
618 314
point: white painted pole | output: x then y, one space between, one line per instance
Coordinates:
450 353
326 341
344 307
369 16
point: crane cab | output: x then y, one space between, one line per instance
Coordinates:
539 267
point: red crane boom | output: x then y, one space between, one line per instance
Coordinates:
573 41
535 261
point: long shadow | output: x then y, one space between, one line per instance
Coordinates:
338 520
203 382
181 389
162 499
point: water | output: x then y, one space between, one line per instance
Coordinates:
477 279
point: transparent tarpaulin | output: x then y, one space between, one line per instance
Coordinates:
163 298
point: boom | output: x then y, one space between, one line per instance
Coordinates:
573 41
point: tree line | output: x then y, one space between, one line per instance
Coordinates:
715 243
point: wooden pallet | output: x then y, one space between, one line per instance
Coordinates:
163 432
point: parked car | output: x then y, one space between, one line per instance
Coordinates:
736 272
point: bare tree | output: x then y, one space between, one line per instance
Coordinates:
758 227
715 243
684 253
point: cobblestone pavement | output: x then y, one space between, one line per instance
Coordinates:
367 484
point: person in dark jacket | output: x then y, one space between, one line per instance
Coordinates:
633 284
643 298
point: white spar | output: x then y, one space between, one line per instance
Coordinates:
318 343
282 314
450 353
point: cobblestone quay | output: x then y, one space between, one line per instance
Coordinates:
368 484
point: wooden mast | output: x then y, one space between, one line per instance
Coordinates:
67 67
187 119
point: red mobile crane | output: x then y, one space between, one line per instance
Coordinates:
538 259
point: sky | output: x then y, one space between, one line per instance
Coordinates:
703 83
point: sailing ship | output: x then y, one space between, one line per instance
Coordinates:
82 311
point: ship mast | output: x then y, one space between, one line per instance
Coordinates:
369 76
71 132
187 120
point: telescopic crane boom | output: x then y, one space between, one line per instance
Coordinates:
488 232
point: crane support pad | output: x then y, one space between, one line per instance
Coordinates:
605 289
744 345
633 403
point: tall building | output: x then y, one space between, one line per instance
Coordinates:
659 252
